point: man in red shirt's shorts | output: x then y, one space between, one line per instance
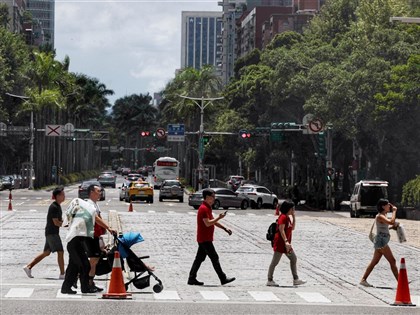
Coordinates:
205 231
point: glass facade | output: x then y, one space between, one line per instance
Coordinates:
200 39
44 12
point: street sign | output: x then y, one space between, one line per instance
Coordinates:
160 133
176 132
315 125
53 130
3 129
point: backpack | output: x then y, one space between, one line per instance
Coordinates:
272 230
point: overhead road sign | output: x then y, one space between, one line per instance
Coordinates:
53 130
176 132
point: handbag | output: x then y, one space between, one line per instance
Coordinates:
371 234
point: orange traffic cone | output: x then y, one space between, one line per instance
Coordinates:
130 207
10 201
403 297
116 289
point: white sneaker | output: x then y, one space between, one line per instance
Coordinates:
28 271
271 283
61 277
365 284
299 282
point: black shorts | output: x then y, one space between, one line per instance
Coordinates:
92 247
53 243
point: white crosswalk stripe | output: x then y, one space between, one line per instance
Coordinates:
313 297
19 293
214 295
167 295
263 296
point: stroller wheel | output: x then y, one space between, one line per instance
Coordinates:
157 288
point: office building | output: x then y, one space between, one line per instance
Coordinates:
201 36
43 11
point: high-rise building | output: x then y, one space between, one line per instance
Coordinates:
201 36
16 11
43 11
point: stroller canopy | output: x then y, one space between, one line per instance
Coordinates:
127 240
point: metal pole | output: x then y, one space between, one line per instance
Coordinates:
31 151
201 133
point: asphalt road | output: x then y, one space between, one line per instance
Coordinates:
332 256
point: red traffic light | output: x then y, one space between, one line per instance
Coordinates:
244 134
145 133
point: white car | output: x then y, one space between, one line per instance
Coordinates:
259 195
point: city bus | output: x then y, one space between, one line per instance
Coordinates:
165 168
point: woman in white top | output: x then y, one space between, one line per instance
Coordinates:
381 240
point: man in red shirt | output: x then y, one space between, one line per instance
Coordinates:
205 231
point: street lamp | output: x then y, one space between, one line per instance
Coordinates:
31 141
202 105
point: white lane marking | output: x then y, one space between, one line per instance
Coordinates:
39 198
33 210
32 284
214 295
19 293
251 214
69 296
170 211
232 214
263 296
19 203
313 297
192 213
151 211
166 295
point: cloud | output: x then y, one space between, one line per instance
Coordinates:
130 46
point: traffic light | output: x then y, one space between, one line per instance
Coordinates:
145 133
262 131
322 149
245 134
206 139
283 125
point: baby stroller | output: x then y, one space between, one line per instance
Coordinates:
135 264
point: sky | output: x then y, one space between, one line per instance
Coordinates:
131 46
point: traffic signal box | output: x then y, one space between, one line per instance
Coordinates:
322 149
206 139
245 134
145 133
278 128
262 131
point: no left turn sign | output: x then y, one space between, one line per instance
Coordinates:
315 125
160 133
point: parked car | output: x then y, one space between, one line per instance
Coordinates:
234 182
171 189
139 190
107 179
124 189
5 183
225 198
365 196
83 194
259 195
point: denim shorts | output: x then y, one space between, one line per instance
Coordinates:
381 240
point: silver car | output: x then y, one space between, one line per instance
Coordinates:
225 198
171 189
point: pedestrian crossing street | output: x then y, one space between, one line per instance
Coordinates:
173 295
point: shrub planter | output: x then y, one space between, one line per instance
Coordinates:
412 213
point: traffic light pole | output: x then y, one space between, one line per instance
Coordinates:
202 105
